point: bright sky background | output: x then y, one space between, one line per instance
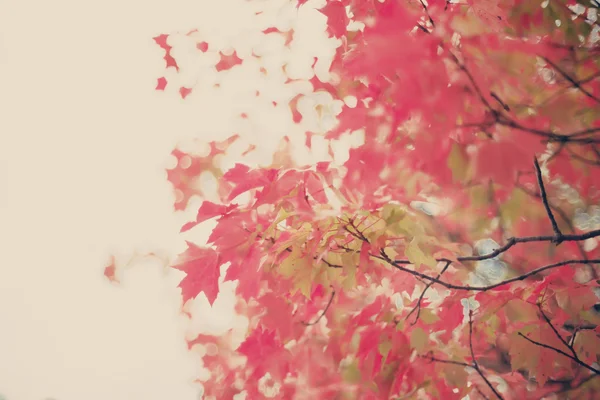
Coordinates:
84 140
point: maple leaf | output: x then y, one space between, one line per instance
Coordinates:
110 270
184 92
228 61
202 46
161 40
247 271
203 268
274 319
501 161
490 13
209 210
350 286
161 83
263 350
337 20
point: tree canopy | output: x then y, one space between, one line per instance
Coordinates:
455 251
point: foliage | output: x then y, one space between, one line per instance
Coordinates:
380 277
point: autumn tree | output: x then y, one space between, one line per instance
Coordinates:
454 252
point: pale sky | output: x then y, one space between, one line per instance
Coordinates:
84 140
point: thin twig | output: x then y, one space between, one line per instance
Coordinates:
427 12
418 306
558 335
559 351
323 313
518 240
567 221
571 80
555 228
475 364
483 288
499 100
458 363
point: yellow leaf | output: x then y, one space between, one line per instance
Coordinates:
409 226
300 269
351 373
282 215
428 317
384 348
417 257
392 213
349 281
458 163
299 237
418 339
456 375
587 345
523 354
479 196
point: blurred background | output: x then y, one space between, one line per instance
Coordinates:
84 143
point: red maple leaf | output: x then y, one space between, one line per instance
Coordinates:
337 19
110 270
161 40
203 268
228 61
202 46
265 353
161 83
184 92
501 161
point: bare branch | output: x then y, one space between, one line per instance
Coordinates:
475 364
558 335
558 239
499 100
522 277
517 240
427 12
559 351
458 363
571 80
418 306
323 313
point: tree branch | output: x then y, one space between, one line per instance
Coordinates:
517 240
427 12
558 335
447 285
559 351
323 313
418 306
475 364
558 238
458 363
571 80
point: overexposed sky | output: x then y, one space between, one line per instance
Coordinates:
84 140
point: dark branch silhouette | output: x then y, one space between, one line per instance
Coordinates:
322 313
559 351
544 196
475 364
558 335
417 308
571 80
